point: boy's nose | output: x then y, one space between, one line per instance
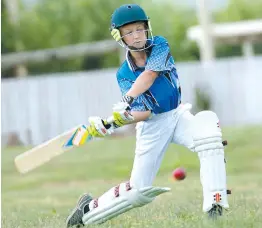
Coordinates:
136 35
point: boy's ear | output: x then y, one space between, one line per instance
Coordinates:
116 34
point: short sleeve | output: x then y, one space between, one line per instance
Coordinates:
159 59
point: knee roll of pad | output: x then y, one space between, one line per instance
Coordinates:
206 131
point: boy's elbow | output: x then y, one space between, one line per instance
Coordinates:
152 74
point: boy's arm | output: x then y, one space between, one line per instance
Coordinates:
158 61
124 110
142 83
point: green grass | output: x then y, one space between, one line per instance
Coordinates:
44 197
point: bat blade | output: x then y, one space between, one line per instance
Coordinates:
44 152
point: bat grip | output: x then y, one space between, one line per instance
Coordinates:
110 119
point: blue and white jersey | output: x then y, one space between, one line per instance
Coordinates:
165 93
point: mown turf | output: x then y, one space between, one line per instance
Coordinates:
44 197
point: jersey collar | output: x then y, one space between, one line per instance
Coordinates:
130 62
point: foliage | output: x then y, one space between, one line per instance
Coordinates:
51 24
240 10
174 28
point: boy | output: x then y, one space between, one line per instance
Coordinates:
152 98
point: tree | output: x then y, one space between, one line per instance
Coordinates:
58 23
51 24
238 10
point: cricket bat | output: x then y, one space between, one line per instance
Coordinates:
46 151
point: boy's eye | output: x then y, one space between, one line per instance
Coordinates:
140 30
131 32
128 33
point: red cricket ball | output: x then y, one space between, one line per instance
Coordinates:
179 174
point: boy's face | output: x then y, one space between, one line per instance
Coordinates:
134 34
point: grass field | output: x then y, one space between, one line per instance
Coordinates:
44 197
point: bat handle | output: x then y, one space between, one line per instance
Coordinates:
110 119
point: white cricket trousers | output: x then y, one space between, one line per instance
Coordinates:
152 139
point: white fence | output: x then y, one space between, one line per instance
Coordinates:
38 108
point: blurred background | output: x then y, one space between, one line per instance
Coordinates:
59 61
58 66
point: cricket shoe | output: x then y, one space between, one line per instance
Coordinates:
75 218
215 211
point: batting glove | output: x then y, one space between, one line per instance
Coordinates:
99 127
121 114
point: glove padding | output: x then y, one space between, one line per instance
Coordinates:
99 127
121 114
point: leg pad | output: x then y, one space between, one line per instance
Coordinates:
119 200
